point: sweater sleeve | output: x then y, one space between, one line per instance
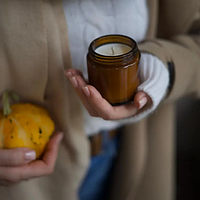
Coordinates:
154 78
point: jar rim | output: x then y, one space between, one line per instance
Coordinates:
113 38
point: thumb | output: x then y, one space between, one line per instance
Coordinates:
141 99
16 156
52 149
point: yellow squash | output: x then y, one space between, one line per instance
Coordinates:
27 125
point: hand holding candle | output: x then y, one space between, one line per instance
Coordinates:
113 77
108 97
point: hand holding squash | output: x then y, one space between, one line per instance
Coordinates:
25 130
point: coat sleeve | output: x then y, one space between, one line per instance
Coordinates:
181 55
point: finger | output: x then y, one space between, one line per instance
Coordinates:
78 83
16 156
104 108
141 99
74 72
37 168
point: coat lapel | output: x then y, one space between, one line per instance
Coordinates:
34 56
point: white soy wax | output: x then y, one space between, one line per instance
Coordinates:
113 49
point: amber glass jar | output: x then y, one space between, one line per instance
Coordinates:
112 63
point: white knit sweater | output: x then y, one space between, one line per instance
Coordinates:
89 19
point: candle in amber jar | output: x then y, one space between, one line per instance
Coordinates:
112 63
113 49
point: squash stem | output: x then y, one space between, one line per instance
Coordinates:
6 101
6 104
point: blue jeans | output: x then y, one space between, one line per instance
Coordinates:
97 181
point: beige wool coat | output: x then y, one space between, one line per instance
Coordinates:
33 56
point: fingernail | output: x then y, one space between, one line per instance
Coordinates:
60 137
142 102
74 81
30 155
86 91
69 74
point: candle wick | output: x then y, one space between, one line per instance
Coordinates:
113 52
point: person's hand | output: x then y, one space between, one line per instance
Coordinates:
18 164
97 106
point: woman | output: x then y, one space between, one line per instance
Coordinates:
34 41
